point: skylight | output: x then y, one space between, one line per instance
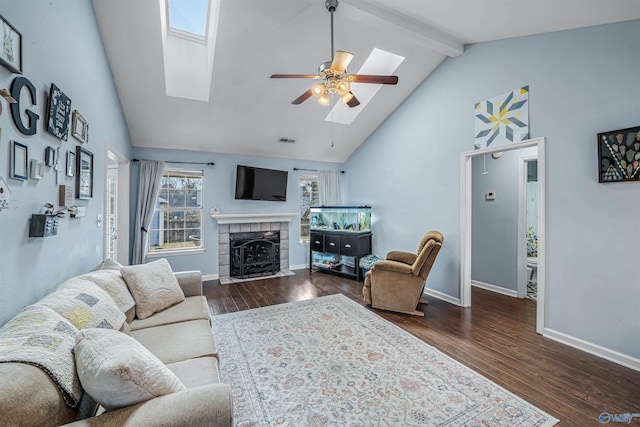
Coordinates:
188 29
189 16
379 62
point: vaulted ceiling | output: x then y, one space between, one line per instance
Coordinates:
246 112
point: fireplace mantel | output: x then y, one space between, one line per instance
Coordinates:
252 218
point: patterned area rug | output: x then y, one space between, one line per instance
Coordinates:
329 361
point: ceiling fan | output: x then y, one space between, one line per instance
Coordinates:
334 75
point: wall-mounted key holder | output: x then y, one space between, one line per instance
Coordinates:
43 225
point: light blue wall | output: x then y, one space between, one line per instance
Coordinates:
494 223
219 190
582 82
61 44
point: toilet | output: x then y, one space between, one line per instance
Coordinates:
532 269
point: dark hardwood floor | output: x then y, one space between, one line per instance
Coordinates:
495 337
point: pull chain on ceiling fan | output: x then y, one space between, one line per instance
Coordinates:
334 74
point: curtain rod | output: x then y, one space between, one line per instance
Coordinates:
190 163
310 170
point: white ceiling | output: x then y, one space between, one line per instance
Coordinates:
248 112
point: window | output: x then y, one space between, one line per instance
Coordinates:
189 16
176 225
308 197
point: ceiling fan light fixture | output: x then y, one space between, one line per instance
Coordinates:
334 75
325 99
343 88
318 90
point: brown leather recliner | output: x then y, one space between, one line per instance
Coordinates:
397 282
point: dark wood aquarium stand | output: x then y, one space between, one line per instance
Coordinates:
351 244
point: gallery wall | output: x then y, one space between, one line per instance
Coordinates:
53 52
582 82
219 191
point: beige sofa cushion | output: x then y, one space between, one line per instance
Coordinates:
196 372
168 342
192 308
153 286
117 371
108 264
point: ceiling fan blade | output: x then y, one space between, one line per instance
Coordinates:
302 98
382 80
353 102
295 76
341 61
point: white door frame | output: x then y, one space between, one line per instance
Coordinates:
522 224
122 213
465 234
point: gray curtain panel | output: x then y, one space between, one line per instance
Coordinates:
148 189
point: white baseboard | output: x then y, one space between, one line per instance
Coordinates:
596 350
442 296
298 267
494 288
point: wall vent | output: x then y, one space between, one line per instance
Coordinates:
287 140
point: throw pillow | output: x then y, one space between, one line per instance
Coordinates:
154 287
85 305
117 371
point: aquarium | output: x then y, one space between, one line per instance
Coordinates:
341 218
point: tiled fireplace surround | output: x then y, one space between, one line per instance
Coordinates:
243 223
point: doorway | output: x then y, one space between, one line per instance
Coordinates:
116 230
466 225
528 227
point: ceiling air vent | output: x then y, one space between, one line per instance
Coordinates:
287 140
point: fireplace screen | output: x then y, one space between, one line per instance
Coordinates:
254 254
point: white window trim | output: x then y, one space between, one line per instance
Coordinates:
160 253
175 252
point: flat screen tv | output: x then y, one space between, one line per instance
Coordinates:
261 184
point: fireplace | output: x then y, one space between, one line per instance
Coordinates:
229 224
254 254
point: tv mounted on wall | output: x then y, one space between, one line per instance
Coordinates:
261 184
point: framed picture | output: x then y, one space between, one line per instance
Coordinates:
37 169
71 163
79 127
19 162
619 155
84 173
50 156
11 52
58 113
